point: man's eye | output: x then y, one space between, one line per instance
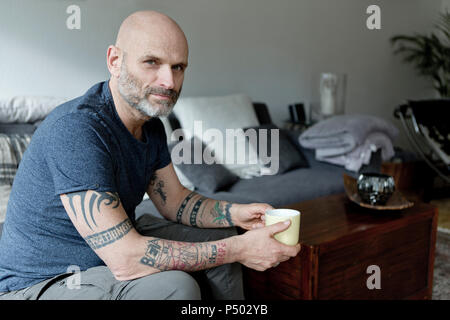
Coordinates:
151 62
178 68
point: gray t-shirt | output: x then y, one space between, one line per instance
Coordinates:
81 145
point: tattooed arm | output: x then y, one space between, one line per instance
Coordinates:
103 223
101 220
198 211
176 203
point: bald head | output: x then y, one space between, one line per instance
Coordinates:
150 27
147 63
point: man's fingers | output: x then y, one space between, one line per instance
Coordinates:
279 227
292 251
257 225
260 209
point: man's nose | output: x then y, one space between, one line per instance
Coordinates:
165 77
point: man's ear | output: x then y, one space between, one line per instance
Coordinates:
114 57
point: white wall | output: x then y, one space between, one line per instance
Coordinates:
270 50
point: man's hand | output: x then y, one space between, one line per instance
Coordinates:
250 216
257 249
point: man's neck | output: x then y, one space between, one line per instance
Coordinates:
131 118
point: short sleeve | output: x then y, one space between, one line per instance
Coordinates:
164 158
78 156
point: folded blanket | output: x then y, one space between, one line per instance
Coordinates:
361 155
341 134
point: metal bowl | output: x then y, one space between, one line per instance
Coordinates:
375 188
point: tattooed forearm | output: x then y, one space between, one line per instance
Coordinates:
157 186
172 255
95 198
104 238
199 211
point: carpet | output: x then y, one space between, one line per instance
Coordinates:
441 276
441 281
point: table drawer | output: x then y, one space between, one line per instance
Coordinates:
401 254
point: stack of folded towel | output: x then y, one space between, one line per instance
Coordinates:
349 140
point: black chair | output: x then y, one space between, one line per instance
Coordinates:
427 126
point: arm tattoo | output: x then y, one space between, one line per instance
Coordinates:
158 187
104 238
213 213
172 255
194 212
183 205
95 198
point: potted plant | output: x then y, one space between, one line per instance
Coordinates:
430 54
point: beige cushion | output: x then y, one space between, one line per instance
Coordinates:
221 113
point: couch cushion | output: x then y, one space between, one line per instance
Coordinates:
27 109
219 114
289 156
227 112
294 186
302 184
205 177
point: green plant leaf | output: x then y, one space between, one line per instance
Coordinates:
429 54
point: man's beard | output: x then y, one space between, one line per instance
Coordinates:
129 88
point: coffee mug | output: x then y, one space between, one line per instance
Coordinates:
290 235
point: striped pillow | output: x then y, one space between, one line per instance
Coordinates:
12 147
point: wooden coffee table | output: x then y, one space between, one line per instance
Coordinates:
340 241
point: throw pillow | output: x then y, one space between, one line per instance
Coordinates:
208 118
205 177
288 156
227 112
12 148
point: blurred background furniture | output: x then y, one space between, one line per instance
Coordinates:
427 126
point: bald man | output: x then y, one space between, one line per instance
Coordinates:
86 169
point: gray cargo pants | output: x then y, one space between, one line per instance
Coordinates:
98 283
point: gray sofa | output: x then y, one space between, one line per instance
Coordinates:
300 184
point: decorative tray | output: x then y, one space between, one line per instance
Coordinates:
395 202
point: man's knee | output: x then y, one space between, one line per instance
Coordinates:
167 285
184 286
